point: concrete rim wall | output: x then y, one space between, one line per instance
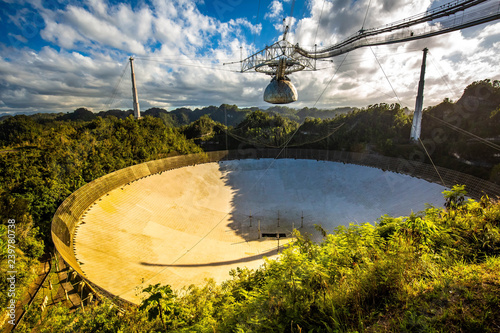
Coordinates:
68 216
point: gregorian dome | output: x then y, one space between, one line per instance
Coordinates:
280 91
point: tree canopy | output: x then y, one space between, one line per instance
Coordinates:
435 270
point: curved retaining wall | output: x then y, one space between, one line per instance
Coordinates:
68 215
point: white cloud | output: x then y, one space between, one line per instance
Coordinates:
76 24
275 10
62 35
99 7
180 52
243 22
360 81
19 38
183 48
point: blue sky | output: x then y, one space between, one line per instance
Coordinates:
58 55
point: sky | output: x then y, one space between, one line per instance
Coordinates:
59 55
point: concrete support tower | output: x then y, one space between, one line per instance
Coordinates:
137 110
417 116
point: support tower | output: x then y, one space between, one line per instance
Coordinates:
137 110
417 116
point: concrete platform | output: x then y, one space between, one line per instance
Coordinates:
186 225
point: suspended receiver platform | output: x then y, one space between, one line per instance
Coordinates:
283 58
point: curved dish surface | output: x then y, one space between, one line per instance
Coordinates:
186 225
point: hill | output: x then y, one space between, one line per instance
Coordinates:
435 270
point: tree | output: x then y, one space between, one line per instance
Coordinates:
455 197
159 302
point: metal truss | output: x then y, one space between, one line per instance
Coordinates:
452 16
267 60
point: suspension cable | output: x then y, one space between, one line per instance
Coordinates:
331 79
265 144
380 65
319 21
423 146
430 158
460 130
366 15
256 21
187 64
291 13
436 66
115 90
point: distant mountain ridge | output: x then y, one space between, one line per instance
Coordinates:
225 113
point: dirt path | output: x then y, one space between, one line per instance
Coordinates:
42 272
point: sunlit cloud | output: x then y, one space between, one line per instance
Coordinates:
71 55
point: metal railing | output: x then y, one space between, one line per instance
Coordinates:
450 17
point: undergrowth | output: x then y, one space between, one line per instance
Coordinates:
433 271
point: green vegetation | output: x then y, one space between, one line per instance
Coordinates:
262 129
461 135
53 158
451 131
377 127
432 271
477 112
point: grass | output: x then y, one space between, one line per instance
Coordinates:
435 271
462 298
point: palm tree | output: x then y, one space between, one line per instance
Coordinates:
159 301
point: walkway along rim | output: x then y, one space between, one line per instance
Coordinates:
69 214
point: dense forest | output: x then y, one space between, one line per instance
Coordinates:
461 135
226 114
430 271
47 159
435 271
